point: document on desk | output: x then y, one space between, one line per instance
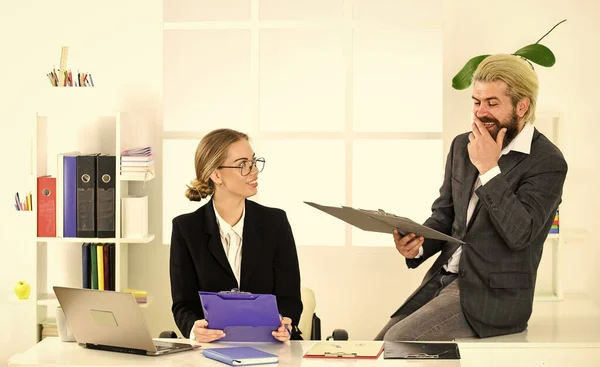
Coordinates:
345 349
380 221
420 350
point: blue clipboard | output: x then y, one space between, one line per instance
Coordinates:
243 316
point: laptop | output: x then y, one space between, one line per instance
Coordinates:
112 321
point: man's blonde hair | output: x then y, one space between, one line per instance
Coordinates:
518 75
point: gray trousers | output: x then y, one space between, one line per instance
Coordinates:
434 313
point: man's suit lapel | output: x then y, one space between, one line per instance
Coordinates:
471 175
251 244
506 163
215 246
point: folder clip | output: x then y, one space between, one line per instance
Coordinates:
425 355
340 354
234 291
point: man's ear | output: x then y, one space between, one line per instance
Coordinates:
523 106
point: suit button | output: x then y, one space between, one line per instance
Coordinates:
462 273
494 209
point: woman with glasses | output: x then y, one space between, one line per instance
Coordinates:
231 242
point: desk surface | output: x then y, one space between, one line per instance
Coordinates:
51 352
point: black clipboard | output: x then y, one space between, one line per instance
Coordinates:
420 350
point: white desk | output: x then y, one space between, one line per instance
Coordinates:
53 353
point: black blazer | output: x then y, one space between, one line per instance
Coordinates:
505 236
199 263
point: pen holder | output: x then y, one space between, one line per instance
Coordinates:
63 328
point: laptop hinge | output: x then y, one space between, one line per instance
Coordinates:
111 348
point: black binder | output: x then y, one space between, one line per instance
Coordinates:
420 350
105 196
111 266
86 196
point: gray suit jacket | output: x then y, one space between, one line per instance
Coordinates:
506 234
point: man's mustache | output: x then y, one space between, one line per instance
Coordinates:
488 119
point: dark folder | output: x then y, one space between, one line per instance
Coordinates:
86 196
105 196
420 350
85 266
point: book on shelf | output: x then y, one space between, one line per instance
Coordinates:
141 296
46 204
555 224
137 163
98 266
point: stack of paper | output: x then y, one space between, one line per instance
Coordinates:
137 163
140 295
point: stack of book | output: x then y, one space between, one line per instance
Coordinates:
554 228
140 295
137 164
49 329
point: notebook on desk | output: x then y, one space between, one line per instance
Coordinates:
240 356
111 321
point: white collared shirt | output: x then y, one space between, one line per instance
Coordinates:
521 143
235 255
231 238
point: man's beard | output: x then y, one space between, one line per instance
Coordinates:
511 125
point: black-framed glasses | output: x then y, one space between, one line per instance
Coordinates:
247 166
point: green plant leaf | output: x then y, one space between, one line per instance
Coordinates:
463 79
537 53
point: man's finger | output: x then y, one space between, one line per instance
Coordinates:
500 137
414 243
481 127
405 240
475 130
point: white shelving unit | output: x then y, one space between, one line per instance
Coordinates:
548 123
58 260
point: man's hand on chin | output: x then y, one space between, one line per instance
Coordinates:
484 152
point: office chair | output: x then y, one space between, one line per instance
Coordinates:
309 324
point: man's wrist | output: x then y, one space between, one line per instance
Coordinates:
489 174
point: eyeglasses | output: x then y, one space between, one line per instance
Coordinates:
247 166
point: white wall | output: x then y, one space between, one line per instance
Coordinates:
381 281
119 42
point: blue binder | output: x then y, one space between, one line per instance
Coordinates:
245 317
240 356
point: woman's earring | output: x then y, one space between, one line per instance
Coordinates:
220 184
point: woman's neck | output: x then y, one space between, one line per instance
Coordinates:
230 209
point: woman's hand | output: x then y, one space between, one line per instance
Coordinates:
284 332
204 335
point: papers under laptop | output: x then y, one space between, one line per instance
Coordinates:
380 221
111 321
